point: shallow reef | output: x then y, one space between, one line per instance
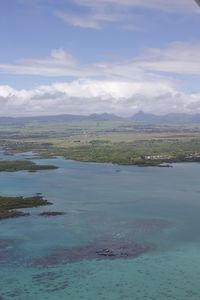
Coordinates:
6 248
149 225
105 250
51 214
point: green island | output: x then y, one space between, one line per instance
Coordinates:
20 165
117 142
9 205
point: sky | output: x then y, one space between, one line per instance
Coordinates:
96 56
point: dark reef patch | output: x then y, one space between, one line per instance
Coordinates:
108 250
6 250
51 214
146 225
50 281
4 244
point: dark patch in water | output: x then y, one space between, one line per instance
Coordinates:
17 292
150 225
51 214
6 247
50 281
109 250
4 244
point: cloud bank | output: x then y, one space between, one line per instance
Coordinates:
121 87
97 96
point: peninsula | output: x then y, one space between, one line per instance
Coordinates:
23 165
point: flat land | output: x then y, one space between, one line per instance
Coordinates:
119 142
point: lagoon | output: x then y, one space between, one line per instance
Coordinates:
103 204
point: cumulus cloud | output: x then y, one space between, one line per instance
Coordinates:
121 87
97 96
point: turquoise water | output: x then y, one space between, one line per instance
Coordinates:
150 206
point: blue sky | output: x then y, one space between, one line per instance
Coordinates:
85 56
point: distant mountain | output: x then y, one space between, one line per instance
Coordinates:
58 118
104 117
172 118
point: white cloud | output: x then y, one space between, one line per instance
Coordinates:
80 21
59 63
91 96
95 18
96 14
120 87
155 4
169 5
177 58
121 12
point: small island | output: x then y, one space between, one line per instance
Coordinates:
23 165
8 205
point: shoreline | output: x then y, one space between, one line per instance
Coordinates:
38 156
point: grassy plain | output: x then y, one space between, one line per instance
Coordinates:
120 142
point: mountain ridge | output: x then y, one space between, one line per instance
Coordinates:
170 118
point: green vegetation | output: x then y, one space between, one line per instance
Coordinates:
8 205
120 142
19 165
6 214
